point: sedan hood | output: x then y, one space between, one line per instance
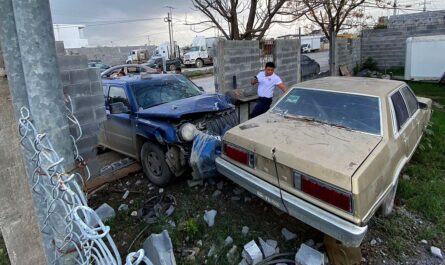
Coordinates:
177 109
328 153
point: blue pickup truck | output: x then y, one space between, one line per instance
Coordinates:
155 117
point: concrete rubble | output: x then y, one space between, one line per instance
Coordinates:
268 247
436 252
212 251
123 208
228 241
159 249
216 194
125 196
309 256
288 235
245 230
231 255
220 185
105 213
209 217
252 253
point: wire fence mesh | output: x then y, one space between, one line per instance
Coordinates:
79 236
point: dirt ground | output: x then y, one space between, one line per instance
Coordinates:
238 210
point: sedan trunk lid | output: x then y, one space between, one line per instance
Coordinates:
326 152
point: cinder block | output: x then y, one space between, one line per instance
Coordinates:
96 88
72 62
81 89
100 114
85 102
94 74
79 76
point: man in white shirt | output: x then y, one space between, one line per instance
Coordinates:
266 80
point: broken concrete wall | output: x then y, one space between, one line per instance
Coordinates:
388 46
84 86
286 56
235 59
348 52
108 55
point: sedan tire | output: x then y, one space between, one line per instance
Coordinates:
388 203
154 165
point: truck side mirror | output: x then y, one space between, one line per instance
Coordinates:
118 108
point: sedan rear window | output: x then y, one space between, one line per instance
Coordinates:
356 112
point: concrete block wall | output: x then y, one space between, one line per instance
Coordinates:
235 58
108 55
348 51
388 46
84 86
286 56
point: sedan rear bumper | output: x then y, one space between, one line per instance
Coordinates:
346 232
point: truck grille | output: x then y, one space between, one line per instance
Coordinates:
187 57
219 124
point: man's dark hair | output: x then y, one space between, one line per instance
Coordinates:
178 69
270 64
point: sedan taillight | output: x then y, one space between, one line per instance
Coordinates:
323 192
239 154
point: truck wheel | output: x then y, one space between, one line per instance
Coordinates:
388 203
199 63
172 67
154 165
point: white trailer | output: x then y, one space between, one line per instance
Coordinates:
200 53
425 58
310 43
164 50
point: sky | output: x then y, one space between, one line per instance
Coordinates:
140 22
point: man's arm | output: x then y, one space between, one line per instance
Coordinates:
254 81
283 87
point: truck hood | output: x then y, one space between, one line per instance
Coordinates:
328 153
177 109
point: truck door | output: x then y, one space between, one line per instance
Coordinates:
405 131
118 129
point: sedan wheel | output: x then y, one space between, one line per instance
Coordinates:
154 165
388 203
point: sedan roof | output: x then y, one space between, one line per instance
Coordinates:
359 85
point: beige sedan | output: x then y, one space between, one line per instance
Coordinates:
330 151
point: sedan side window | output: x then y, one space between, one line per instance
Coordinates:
117 95
411 100
400 109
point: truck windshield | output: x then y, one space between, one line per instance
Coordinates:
350 111
160 91
194 49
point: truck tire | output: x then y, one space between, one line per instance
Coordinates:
388 203
154 165
199 63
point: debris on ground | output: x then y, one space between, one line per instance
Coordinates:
245 230
105 213
138 182
125 196
228 241
310 243
212 251
235 198
309 256
123 208
134 213
190 254
423 241
288 235
161 190
209 217
231 255
199 243
373 242
238 191
157 206
252 253
193 183
436 252
216 194
268 247
159 249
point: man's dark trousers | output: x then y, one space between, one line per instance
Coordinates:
263 105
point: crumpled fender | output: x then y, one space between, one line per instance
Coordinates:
163 132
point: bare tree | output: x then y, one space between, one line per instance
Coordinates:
245 19
332 16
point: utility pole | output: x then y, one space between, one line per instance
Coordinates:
424 5
170 31
395 8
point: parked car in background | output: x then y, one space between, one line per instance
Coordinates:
126 70
98 64
330 151
155 117
309 67
171 64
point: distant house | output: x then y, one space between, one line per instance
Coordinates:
71 34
